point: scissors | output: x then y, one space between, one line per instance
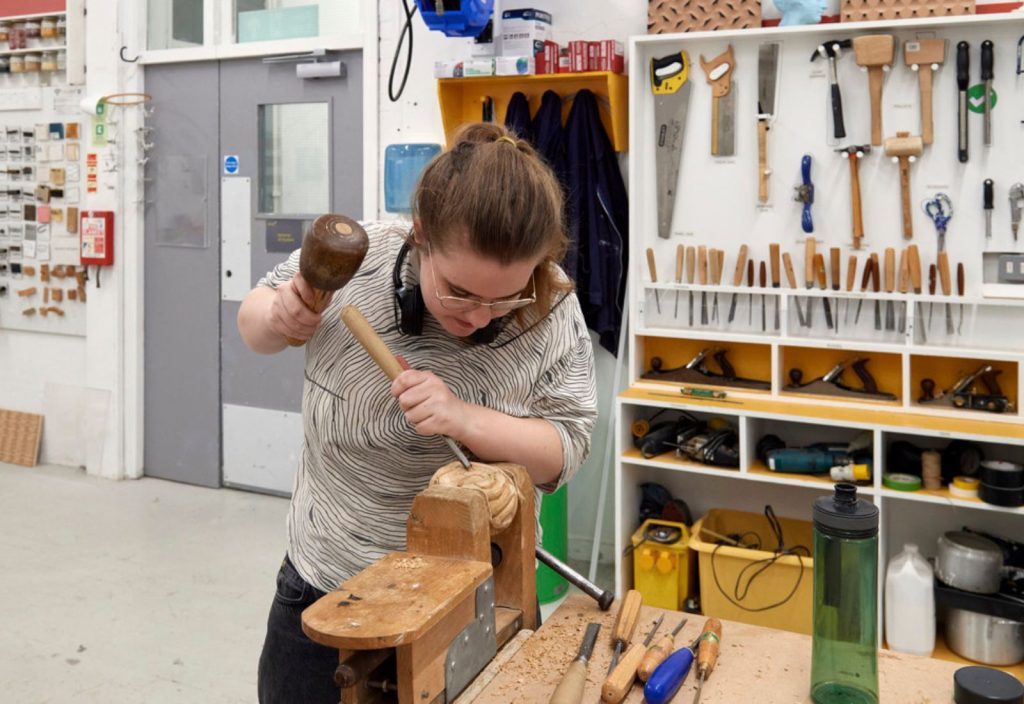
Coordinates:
940 211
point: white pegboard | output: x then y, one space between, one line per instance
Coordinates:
717 204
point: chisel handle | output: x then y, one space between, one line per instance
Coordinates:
691 263
960 282
680 253
617 685
945 280
876 273
851 272
833 255
809 250
625 620
719 266
787 262
865 279
931 279
655 655
570 689
668 677
762 161
702 265
651 267
371 341
707 652
914 256
773 256
741 266
904 278
890 269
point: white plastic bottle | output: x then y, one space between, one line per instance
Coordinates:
910 603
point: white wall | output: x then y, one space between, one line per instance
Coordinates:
417 118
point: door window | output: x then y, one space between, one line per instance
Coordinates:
174 24
262 20
294 159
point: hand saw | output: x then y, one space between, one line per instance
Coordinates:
718 73
671 87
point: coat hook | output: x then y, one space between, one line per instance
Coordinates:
127 61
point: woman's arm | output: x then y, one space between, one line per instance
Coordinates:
268 316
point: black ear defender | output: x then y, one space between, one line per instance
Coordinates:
410 309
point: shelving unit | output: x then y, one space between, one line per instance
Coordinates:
462 98
717 207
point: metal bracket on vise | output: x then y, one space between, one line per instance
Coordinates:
696 372
474 647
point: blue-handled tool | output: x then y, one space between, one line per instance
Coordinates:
805 194
669 676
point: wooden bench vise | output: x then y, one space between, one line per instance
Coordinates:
416 627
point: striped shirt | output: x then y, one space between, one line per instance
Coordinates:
361 463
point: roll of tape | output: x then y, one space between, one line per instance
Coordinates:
901 482
1001 496
964 487
1006 475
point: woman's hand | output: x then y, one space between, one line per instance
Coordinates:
429 405
291 312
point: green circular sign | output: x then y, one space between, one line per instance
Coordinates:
976 98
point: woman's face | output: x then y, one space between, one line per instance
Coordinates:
462 273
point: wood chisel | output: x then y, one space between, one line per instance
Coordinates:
987 65
680 253
787 262
719 266
932 270
671 88
618 683
834 255
890 287
773 256
763 277
809 249
657 653
669 676
707 653
570 689
876 286
963 77
914 257
750 296
691 267
718 73
737 279
822 279
625 624
654 278
851 280
767 77
960 285
988 203
946 284
865 281
903 286
702 278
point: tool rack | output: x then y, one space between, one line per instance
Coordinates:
718 207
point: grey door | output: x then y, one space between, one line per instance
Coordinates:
275 151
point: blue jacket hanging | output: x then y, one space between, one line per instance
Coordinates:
598 214
517 116
549 136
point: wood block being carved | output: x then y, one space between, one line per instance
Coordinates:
665 16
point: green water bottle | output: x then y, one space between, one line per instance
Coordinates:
844 658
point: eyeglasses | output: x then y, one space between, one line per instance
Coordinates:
463 305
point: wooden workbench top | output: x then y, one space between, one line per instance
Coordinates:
755 664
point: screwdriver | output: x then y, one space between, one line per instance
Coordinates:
654 277
617 685
669 676
707 654
680 250
570 689
657 653
625 624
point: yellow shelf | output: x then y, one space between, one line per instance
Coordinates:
886 417
462 98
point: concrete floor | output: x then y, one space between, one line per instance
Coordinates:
135 591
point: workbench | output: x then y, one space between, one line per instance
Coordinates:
755 663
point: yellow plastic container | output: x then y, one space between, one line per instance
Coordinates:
662 571
780 596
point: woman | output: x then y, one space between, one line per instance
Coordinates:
500 360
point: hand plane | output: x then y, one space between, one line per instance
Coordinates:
832 383
964 393
696 372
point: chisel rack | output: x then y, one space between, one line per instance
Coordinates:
856 294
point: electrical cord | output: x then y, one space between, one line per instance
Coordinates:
406 28
741 590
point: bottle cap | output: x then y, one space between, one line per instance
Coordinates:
985 685
844 515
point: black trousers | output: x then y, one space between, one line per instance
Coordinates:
294 669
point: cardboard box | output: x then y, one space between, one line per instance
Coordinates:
579 51
609 56
564 60
478 67
447 69
546 60
524 31
514 66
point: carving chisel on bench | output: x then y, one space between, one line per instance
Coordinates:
570 689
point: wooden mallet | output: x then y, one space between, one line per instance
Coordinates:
876 53
925 56
904 150
332 251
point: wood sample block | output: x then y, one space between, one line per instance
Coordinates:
664 16
868 10
19 437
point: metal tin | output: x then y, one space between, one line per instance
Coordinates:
986 639
970 562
